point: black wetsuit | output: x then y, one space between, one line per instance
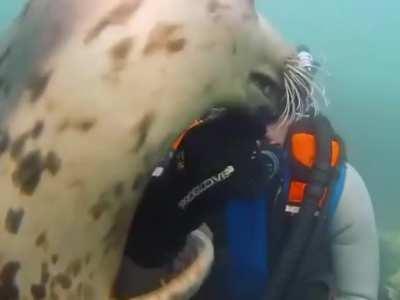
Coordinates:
217 160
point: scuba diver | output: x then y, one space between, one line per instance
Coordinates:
290 218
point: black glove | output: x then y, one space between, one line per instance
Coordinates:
217 161
231 142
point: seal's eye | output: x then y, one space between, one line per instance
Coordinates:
267 90
268 86
264 83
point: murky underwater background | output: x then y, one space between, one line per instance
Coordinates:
358 43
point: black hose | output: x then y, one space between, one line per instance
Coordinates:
304 227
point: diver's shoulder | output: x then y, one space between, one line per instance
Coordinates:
353 180
355 212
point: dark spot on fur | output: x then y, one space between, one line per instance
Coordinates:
37 129
122 48
4 141
100 207
8 289
18 146
28 173
142 130
118 16
45 273
115 236
63 280
82 125
163 36
14 219
74 268
85 125
54 258
38 291
214 6
5 55
41 240
52 163
176 45
120 52
38 85
119 189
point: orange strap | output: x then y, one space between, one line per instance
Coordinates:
304 151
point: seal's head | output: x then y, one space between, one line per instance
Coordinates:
91 93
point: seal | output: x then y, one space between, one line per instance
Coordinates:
91 94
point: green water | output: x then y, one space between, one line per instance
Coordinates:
8 10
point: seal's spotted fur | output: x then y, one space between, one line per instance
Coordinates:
91 92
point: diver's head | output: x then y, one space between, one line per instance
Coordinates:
293 96
306 59
302 48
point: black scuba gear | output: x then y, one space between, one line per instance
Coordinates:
217 160
304 250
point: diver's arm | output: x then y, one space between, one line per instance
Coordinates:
355 242
214 161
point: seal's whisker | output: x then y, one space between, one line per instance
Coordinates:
286 99
315 92
283 116
297 98
288 112
309 98
300 82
